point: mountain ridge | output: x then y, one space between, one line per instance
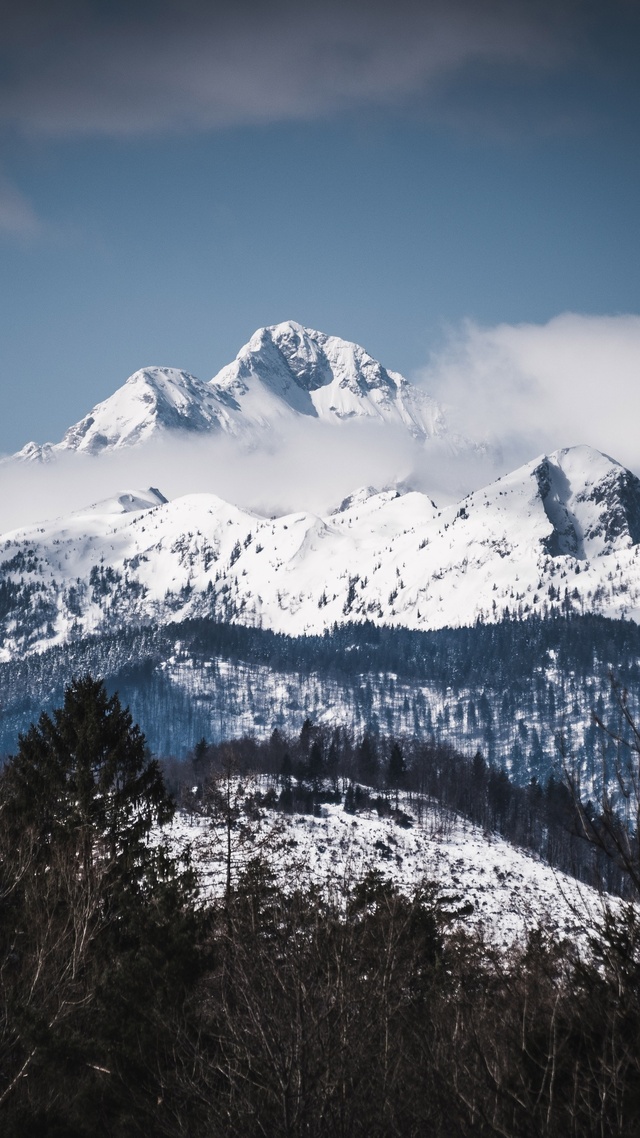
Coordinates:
285 371
559 534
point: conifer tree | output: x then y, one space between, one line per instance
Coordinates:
96 922
367 760
84 777
396 770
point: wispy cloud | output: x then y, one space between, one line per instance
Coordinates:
17 216
77 68
529 388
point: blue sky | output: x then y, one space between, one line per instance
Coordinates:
173 176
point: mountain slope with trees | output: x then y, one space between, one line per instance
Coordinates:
508 689
128 1009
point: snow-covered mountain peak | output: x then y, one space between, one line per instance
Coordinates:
360 496
152 399
284 372
33 452
585 461
300 348
389 511
592 502
287 368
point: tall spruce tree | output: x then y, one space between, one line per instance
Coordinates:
96 925
84 776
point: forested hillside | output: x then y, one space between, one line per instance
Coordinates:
129 1005
508 689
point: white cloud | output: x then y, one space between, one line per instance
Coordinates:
312 466
529 388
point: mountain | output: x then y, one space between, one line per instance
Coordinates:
288 368
151 401
284 372
560 534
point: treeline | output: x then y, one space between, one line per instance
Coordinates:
495 655
322 765
129 1006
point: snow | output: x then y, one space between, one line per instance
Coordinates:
561 532
126 502
509 890
288 368
152 399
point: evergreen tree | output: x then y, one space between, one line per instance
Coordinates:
367 761
396 770
84 776
199 761
97 926
350 800
316 764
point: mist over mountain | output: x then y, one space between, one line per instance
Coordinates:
257 516
305 489
296 422
559 535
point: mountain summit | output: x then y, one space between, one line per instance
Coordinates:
289 369
152 401
284 372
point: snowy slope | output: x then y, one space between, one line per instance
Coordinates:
561 533
284 372
496 887
152 400
128 502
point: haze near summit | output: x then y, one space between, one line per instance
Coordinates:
454 186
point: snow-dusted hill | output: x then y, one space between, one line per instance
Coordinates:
284 372
495 887
559 534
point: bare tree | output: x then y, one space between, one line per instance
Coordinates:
239 828
51 916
